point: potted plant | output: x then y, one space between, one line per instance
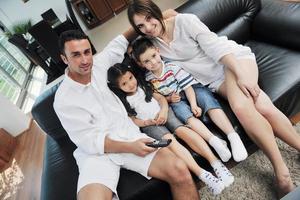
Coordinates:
20 28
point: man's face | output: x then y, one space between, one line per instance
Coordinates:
78 56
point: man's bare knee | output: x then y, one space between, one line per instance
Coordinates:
94 191
179 173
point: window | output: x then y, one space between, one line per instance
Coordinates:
19 82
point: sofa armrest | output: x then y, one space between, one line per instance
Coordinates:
278 22
43 113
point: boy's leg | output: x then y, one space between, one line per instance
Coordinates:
210 105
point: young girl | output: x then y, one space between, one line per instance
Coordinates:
185 94
149 110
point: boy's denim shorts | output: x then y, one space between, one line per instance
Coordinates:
205 100
157 132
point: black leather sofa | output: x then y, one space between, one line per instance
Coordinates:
270 27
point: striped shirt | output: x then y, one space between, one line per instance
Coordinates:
172 79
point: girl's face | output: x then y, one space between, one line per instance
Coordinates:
128 83
148 25
151 59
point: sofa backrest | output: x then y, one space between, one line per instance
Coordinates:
232 18
278 23
43 113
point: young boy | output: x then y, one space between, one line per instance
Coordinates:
185 95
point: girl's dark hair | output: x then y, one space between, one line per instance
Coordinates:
146 8
139 46
113 75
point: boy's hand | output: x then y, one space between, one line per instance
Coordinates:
174 98
197 111
161 117
140 148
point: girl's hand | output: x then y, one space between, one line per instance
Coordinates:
174 98
140 148
149 122
249 88
161 117
197 111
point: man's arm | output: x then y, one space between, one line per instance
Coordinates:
137 147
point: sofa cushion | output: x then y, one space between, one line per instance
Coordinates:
279 75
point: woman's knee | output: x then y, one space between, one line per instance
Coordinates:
265 106
242 107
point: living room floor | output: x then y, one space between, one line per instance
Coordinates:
21 178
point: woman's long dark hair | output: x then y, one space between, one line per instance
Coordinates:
147 8
113 75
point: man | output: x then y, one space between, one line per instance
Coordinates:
97 122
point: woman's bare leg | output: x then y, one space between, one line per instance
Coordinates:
256 126
281 125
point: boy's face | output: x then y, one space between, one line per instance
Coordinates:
151 59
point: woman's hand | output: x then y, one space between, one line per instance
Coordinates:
140 148
197 111
249 87
161 117
174 98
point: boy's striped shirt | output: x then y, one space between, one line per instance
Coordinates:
172 79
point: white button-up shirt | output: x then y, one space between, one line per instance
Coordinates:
198 50
91 112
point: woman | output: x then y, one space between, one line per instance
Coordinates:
228 69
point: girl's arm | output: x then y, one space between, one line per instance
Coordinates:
162 115
142 123
191 96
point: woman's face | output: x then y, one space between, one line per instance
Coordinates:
148 25
128 83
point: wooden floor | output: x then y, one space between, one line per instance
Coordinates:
21 179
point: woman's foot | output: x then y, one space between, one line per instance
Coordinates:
284 185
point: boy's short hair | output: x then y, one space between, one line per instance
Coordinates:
68 36
139 46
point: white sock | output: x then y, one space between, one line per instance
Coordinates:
215 186
221 149
239 151
222 173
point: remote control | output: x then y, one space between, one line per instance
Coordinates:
159 143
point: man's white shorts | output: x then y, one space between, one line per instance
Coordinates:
102 169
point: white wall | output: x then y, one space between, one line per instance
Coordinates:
12 11
12 119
